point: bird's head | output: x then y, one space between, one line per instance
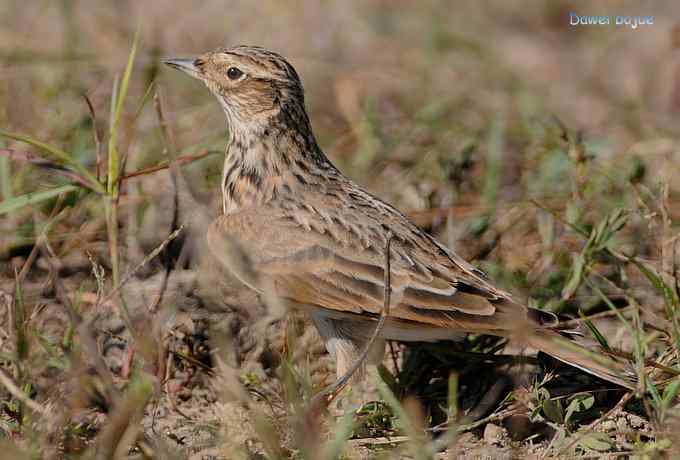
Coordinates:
252 84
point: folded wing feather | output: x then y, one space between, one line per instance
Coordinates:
309 266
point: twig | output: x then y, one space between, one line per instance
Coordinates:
48 165
54 215
602 314
95 134
80 180
169 150
560 218
330 393
194 362
139 266
393 355
166 135
182 160
379 441
495 417
15 391
676 264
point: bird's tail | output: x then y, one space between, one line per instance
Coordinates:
598 363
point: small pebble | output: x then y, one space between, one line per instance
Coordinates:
494 434
636 422
622 424
608 425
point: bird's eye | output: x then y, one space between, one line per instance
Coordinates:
234 73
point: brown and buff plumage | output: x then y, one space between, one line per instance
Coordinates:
317 239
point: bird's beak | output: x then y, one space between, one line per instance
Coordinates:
185 65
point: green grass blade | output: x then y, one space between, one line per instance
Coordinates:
113 165
119 101
611 306
114 98
19 314
669 394
453 398
6 178
494 160
49 149
58 154
670 298
407 425
343 430
595 331
659 284
146 98
20 201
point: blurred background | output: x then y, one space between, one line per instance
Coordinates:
499 127
452 101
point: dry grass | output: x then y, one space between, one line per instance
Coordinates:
548 155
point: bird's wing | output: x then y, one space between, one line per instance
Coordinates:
335 260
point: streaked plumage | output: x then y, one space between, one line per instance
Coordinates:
317 239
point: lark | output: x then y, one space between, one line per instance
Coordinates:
318 240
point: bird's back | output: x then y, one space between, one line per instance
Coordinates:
322 240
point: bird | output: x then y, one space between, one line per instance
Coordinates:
317 240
